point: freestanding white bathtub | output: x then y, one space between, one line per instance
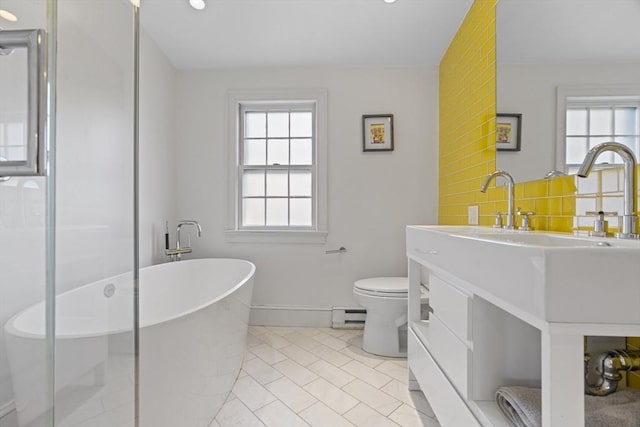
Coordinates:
193 325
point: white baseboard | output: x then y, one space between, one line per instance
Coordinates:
283 315
6 408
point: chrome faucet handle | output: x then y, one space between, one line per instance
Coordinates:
597 213
600 226
498 222
525 219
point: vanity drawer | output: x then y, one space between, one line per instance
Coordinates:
452 306
453 356
447 404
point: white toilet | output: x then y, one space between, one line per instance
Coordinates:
385 328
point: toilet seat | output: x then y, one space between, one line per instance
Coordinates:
380 294
386 287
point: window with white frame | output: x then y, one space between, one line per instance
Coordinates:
278 176
591 120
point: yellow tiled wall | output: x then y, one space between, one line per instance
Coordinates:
553 202
467 98
467 106
467 135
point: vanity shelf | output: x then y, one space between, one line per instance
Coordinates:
506 311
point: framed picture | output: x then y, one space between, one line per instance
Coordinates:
508 132
377 132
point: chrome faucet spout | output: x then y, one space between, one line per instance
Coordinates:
510 189
176 254
186 222
629 160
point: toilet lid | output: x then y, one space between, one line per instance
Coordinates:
384 284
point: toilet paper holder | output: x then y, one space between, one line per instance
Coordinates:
340 250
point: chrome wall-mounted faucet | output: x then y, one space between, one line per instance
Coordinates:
175 254
629 159
510 200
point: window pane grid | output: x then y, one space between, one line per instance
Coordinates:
609 118
275 204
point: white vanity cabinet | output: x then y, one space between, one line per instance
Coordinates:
496 318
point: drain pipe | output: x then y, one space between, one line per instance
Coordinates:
609 366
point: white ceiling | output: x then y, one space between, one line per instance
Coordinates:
568 31
243 33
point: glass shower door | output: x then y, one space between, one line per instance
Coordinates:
26 335
67 246
95 168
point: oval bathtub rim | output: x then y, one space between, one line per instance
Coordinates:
12 330
218 298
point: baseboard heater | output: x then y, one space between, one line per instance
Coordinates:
348 317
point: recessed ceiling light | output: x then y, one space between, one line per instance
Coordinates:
389 1
197 4
8 15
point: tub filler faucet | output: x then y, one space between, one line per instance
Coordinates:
629 159
175 254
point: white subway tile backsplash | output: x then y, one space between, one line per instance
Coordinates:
590 184
586 204
610 180
613 204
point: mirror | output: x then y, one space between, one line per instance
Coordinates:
548 52
23 103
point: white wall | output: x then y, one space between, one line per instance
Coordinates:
531 90
372 196
157 150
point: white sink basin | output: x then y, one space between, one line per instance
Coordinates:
550 277
535 238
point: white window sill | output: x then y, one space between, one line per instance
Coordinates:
277 236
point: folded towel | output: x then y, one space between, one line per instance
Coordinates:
620 409
522 407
